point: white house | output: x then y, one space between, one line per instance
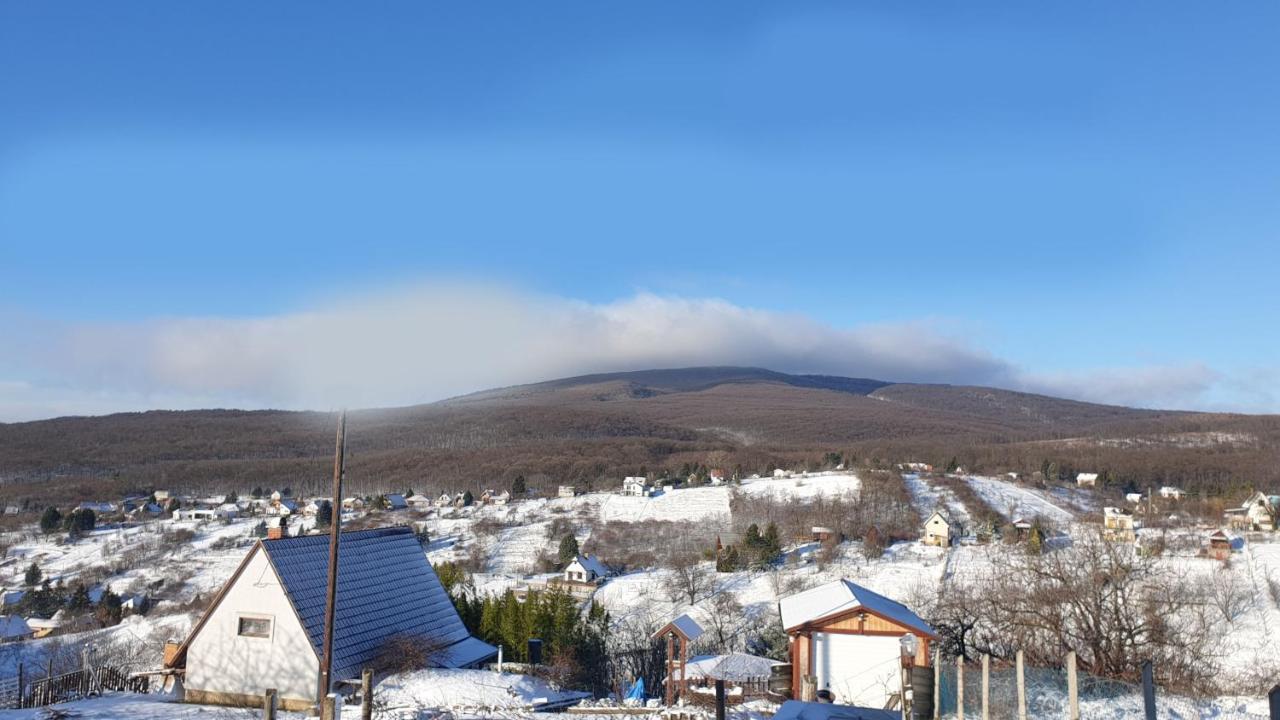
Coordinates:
635 486
1117 525
195 514
716 476
265 626
418 501
1169 492
1086 479
1257 513
586 569
940 530
849 639
567 491
780 473
445 500
1134 498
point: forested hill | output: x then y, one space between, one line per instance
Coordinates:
596 428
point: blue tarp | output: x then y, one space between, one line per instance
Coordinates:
637 691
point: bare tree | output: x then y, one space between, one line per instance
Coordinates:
690 580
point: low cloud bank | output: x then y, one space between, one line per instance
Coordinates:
432 342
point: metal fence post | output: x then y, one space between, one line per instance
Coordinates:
960 688
1274 700
1073 688
1148 691
937 685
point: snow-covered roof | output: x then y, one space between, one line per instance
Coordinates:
842 596
797 710
417 498
734 667
685 625
396 500
592 564
12 626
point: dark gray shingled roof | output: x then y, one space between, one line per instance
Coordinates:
386 588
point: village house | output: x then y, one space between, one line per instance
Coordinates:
14 629
264 628
1168 492
1218 545
1086 479
820 534
780 473
567 491
1133 498
445 500
940 530
395 501
492 497
1257 514
581 576
352 504
1117 525
281 505
636 486
418 501
847 640
161 496
716 477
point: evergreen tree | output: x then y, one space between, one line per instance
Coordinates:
467 499
50 520
256 493
231 497
518 488
79 600
110 610
568 549
33 575
80 521
324 514
260 530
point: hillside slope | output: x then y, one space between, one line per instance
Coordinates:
598 427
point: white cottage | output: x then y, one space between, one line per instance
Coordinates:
265 627
585 569
940 530
635 486
1086 479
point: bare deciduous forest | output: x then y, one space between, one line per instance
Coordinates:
591 431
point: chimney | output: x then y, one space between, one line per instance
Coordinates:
275 532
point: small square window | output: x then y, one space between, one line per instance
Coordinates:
254 627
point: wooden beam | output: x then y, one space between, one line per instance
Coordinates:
331 594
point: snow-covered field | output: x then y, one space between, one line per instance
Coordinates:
1014 501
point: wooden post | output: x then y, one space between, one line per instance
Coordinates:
366 695
20 685
1073 688
1273 699
1022 687
269 704
671 667
1148 690
326 656
719 699
986 687
330 708
937 685
960 688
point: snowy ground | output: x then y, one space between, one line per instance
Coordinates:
514 536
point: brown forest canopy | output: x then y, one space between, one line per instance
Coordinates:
595 429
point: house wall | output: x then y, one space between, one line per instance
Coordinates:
225 668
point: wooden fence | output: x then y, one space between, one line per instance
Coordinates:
16 692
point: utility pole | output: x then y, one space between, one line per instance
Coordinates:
326 656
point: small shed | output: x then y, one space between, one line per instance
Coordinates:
1086 479
678 634
1218 545
846 639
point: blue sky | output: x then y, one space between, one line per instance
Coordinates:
1082 197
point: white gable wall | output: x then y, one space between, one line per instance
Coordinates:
223 666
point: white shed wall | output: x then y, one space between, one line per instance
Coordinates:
859 669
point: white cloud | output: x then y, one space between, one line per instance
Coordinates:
438 340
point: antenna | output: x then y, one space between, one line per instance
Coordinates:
326 656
